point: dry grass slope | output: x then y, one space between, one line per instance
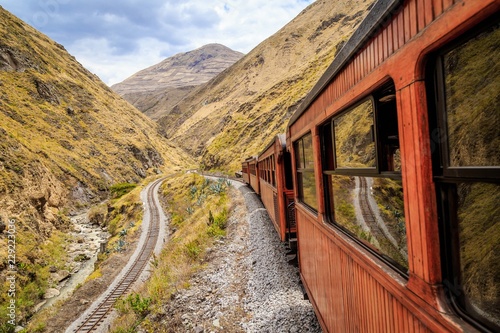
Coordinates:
65 139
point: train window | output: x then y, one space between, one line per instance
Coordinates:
362 176
267 170
273 171
252 169
306 183
473 120
371 208
465 142
354 137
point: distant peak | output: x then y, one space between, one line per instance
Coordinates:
180 70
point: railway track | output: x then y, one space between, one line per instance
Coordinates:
375 223
94 318
367 211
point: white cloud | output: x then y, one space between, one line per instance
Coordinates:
116 39
99 57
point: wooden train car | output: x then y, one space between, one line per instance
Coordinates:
245 173
396 167
276 187
250 173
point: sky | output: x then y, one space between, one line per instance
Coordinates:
116 38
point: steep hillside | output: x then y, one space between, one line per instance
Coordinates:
65 139
156 89
157 104
234 115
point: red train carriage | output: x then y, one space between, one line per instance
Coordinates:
397 173
276 187
245 173
250 173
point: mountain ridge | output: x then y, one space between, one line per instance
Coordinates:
161 86
233 115
182 69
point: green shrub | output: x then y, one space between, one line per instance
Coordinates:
218 223
193 249
120 189
135 302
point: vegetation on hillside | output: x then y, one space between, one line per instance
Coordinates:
65 140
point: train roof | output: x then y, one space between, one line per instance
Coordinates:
282 140
380 11
251 158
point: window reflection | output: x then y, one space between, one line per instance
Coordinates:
472 87
354 141
479 234
373 210
309 189
305 171
308 152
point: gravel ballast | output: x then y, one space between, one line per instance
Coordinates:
248 284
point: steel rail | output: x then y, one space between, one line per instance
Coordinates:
96 317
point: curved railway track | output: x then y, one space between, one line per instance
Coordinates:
374 221
367 211
98 314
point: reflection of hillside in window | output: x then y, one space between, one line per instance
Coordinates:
355 147
479 234
373 210
362 175
467 173
472 84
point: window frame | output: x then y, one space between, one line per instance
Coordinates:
375 172
362 172
300 152
447 178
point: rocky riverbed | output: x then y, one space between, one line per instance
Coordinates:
82 256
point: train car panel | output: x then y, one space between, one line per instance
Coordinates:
418 171
253 168
379 295
268 186
267 195
276 187
245 173
350 295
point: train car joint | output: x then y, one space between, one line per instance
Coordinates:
304 292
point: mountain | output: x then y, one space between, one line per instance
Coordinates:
159 87
65 140
65 137
235 114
